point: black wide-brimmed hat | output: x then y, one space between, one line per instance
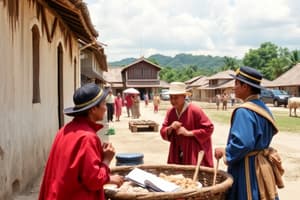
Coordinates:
249 76
85 98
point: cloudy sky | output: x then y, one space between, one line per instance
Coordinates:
134 28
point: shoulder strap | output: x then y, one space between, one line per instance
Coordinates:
259 110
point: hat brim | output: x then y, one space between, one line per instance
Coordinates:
72 111
178 93
247 82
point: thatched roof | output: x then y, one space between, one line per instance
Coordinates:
228 84
222 75
113 75
164 84
289 78
200 82
76 16
266 82
192 80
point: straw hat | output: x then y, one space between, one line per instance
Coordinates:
177 88
85 98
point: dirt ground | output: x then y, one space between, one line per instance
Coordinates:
155 150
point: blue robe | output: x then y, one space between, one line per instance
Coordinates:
249 132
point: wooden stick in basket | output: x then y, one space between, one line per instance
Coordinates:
215 172
200 157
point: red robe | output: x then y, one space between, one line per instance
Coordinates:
184 149
129 102
74 169
118 106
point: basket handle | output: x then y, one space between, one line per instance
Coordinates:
200 157
215 172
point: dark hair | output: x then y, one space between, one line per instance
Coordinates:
254 90
86 112
82 114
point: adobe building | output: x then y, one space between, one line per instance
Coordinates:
41 44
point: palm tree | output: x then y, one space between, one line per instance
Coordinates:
294 58
229 63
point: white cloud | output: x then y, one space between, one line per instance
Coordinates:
133 28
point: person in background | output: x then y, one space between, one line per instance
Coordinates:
224 101
156 102
146 99
218 100
187 128
78 163
247 151
136 106
110 104
232 98
118 106
128 104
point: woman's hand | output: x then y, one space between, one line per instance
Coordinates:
108 153
116 179
176 125
183 131
219 153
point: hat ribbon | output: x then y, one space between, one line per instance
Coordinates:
90 101
246 75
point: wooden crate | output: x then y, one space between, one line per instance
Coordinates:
143 125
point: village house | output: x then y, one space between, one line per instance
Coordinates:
218 83
192 80
141 74
193 87
41 48
288 81
206 88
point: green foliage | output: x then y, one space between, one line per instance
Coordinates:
186 60
270 59
294 58
182 67
258 58
230 63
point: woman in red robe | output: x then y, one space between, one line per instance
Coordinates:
78 163
188 130
118 106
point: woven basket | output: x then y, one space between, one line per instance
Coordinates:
205 176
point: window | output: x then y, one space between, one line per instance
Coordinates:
35 65
75 73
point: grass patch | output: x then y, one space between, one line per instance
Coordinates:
283 121
218 115
286 123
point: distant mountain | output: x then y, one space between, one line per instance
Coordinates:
180 60
123 62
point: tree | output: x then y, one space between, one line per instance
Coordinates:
294 58
269 59
230 63
259 58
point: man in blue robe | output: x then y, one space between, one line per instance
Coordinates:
250 132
